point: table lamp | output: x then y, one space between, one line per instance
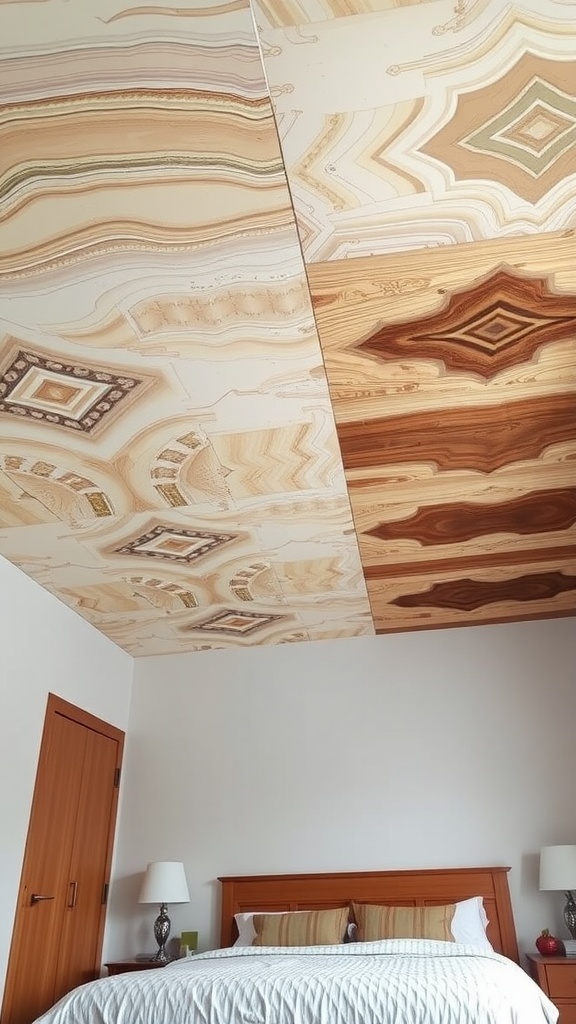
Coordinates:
558 871
164 882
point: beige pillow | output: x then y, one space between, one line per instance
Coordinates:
308 928
376 922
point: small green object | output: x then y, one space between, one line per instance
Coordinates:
189 939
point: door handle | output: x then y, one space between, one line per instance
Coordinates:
37 898
73 895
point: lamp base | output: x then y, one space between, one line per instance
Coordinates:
570 914
161 933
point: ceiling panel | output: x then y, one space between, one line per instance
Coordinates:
414 127
454 389
430 155
292 13
169 466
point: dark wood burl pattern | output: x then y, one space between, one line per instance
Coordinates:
469 594
483 438
540 512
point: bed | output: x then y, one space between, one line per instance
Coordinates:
381 981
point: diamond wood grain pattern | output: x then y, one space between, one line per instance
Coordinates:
498 323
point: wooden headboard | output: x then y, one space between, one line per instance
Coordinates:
396 888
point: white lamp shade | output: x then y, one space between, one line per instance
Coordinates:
164 882
558 867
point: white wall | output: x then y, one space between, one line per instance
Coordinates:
445 748
45 648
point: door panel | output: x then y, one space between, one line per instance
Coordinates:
55 945
84 912
46 866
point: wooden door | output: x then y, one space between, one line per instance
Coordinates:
59 922
85 904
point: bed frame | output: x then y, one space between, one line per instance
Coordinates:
396 888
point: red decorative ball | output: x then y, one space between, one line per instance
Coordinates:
547 945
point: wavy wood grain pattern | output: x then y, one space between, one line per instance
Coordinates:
560 555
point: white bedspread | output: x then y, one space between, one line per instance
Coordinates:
394 982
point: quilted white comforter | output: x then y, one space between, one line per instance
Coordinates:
393 982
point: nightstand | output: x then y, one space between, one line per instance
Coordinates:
556 975
122 966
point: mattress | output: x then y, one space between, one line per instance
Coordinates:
404 981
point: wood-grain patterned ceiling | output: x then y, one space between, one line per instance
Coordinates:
287 314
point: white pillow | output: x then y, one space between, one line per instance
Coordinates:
469 923
245 925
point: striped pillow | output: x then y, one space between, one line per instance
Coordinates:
310 928
376 922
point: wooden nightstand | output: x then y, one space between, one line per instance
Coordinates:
556 975
122 966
